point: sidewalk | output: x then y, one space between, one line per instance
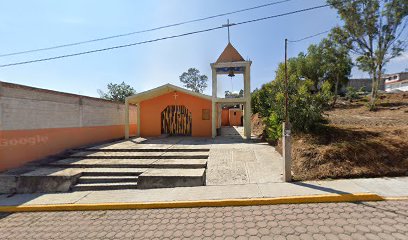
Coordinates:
383 188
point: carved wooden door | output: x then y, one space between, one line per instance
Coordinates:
176 120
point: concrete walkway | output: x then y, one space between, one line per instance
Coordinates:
385 187
233 161
144 163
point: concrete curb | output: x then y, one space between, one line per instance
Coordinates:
396 198
204 203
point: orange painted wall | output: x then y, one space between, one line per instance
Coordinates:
225 117
18 147
235 120
150 114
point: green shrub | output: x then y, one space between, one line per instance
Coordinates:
305 108
351 93
255 101
273 127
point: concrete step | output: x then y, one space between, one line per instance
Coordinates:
167 178
127 155
102 163
135 153
185 154
130 163
103 186
134 171
140 150
115 173
106 179
180 163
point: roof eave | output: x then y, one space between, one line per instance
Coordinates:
160 91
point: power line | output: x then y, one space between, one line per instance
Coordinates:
143 31
311 36
160 39
110 48
283 14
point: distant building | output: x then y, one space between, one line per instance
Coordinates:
389 83
363 83
396 81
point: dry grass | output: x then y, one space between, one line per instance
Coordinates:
356 142
342 152
257 125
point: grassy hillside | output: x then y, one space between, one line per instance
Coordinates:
356 142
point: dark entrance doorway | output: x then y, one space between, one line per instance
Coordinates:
176 120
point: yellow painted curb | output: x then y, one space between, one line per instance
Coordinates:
395 198
204 203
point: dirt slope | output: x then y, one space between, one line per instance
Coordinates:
356 142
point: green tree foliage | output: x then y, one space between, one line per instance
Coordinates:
351 94
256 101
229 94
241 93
305 108
311 65
337 63
117 92
313 77
327 61
373 29
193 80
273 131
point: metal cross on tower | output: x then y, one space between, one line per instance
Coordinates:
228 25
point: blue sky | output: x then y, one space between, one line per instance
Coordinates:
26 25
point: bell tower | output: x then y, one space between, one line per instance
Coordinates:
230 63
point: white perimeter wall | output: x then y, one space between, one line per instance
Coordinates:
24 108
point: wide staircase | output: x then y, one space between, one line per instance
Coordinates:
141 168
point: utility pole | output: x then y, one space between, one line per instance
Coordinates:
286 129
286 81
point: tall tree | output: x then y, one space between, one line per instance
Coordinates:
337 62
192 79
241 93
305 108
310 65
117 92
373 28
327 61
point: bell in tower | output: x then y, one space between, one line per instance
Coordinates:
230 63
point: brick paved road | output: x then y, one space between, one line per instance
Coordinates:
369 220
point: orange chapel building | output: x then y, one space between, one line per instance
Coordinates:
172 110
